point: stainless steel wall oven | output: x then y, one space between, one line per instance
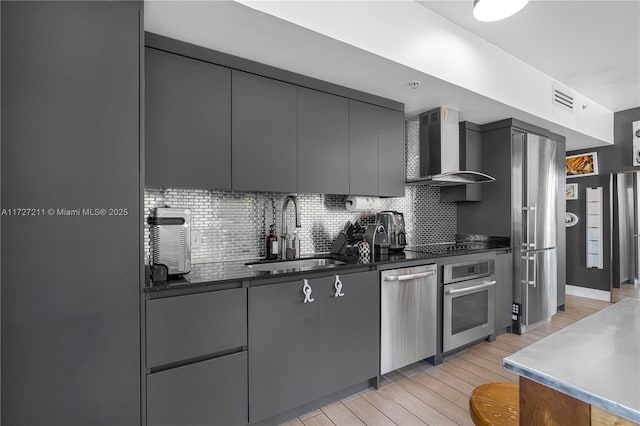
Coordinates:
468 302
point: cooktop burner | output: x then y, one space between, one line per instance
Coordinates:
453 248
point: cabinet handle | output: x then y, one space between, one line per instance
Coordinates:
306 289
338 286
409 276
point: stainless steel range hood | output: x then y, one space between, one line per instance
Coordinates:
442 160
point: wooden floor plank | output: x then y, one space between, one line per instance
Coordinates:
444 376
341 415
368 413
488 375
390 408
453 411
469 377
319 420
449 392
425 412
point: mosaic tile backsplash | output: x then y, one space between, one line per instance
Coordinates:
233 225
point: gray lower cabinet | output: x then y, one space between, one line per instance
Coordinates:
323 142
284 348
363 148
70 295
504 290
391 156
187 122
186 327
350 331
263 117
212 392
299 352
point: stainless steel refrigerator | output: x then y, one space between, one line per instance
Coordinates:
534 194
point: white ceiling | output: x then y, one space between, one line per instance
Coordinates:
591 46
242 31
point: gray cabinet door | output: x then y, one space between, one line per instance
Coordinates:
350 330
212 392
504 290
264 134
284 348
363 148
70 283
391 168
187 122
323 143
186 327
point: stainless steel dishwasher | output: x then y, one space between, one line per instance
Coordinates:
408 305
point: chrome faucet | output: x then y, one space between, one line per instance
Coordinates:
284 232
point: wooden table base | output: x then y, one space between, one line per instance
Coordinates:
543 406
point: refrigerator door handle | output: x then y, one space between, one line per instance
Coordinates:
534 209
534 259
528 258
525 222
527 244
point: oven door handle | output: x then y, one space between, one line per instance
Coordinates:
485 284
409 276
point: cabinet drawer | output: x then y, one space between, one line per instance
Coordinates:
184 327
212 392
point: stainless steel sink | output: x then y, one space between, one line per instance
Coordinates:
295 264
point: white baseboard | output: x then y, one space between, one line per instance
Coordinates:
591 293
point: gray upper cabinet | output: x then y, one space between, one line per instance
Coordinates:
391 169
284 348
70 301
323 142
264 154
363 148
188 122
350 330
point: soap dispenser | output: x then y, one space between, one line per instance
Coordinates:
272 244
296 245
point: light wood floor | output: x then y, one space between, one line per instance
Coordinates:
625 290
421 394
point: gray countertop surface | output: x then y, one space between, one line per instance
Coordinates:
596 360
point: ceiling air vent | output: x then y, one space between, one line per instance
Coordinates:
563 99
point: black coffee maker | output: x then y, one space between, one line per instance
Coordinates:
393 223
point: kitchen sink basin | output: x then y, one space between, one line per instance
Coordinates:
295 264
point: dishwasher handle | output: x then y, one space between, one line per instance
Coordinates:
485 284
409 276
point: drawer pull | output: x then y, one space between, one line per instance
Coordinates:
338 286
306 289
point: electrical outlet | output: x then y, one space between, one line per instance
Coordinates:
196 239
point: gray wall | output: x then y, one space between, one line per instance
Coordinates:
611 159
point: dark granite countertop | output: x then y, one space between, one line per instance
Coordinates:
217 273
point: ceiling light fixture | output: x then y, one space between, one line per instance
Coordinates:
495 10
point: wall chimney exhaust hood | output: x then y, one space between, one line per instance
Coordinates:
442 162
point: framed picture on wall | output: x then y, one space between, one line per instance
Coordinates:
572 191
581 165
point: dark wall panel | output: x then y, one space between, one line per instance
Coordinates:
70 283
611 159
